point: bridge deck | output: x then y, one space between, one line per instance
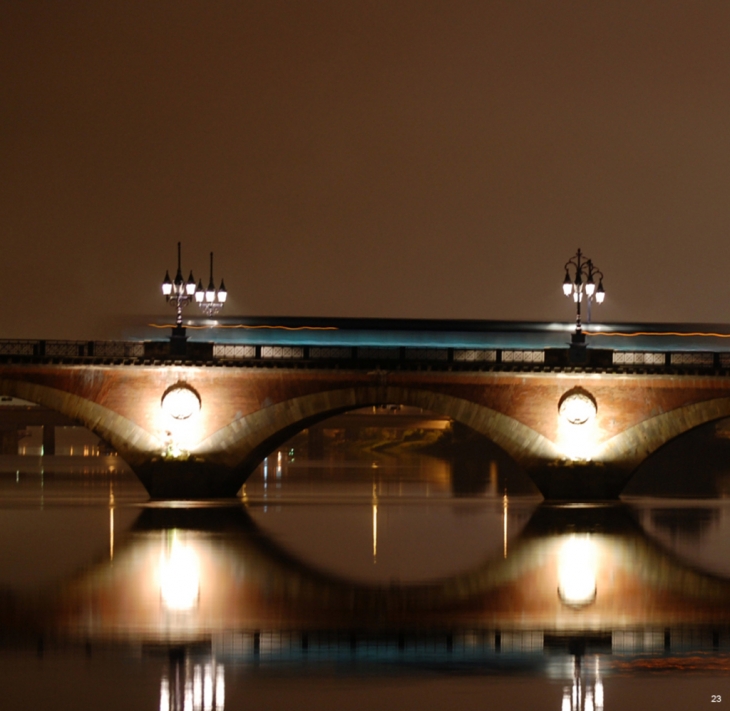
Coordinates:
272 355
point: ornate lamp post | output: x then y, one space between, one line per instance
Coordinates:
211 300
582 282
180 292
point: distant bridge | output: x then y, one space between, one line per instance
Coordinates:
196 424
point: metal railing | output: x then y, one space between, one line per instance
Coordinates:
688 359
72 349
408 356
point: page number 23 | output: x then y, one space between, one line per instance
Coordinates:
716 698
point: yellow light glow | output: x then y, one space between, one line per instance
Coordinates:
577 408
577 566
180 420
578 445
179 576
180 402
578 431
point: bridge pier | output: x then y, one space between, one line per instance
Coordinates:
187 479
579 481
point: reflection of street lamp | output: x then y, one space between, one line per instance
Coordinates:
582 283
193 684
582 696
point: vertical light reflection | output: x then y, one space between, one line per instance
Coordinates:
375 523
588 705
164 694
598 695
220 689
208 688
111 520
583 698
188 699
201 689
566 699
197 688
505 510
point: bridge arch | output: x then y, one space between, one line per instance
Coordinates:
633 446
244 443
131 442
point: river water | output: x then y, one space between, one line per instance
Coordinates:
358 583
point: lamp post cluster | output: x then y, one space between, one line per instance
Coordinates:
180 293
579 282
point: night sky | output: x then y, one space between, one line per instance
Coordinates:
400 158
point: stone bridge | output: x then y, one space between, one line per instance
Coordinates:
197 424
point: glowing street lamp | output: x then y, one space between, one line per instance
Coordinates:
582 282
211 300
180 292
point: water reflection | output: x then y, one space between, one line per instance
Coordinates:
185 575
586 691
192 685
577 566
179 573
581 595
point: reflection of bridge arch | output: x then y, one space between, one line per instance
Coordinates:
246 580
244 443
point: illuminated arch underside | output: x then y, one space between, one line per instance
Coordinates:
244 437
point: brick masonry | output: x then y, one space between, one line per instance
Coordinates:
245 410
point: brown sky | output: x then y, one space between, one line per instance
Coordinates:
395 158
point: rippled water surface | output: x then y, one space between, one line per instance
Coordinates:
373 583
